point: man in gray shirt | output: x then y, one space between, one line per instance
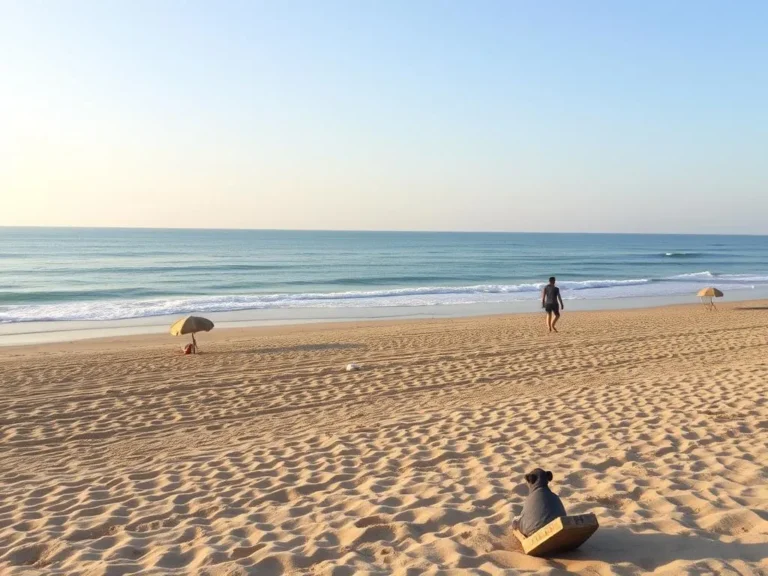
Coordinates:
552 302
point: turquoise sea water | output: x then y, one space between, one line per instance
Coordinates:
50 275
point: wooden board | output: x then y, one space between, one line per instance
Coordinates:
560 535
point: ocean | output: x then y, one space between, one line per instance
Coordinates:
65 275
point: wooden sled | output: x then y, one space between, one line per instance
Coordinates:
560 535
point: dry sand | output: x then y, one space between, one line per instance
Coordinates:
264 456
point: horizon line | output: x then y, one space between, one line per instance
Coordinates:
382 231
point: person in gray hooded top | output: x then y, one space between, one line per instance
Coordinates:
541 506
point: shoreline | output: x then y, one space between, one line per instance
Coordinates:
238 331
36 333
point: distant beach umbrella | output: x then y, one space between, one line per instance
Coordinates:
707 295
190 325
710 292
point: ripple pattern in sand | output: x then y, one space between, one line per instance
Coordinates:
264 457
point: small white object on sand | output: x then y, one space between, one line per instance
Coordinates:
352 366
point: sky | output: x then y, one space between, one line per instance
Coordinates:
582 116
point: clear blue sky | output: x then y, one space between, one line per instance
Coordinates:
530 116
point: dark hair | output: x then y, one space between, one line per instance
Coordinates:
551 279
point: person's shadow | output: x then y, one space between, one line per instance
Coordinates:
651 551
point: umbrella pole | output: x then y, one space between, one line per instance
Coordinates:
194 344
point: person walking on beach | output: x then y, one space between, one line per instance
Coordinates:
552 302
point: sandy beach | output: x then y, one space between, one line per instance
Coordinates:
264 456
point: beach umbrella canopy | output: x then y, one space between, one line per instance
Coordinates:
710 292
190 325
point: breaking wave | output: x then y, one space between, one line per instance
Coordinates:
126 307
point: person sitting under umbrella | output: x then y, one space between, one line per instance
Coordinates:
190 325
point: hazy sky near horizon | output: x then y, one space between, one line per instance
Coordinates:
519 116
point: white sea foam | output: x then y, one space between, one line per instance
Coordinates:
419 296
694 275
721 278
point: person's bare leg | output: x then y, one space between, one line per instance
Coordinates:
555 318
549 321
